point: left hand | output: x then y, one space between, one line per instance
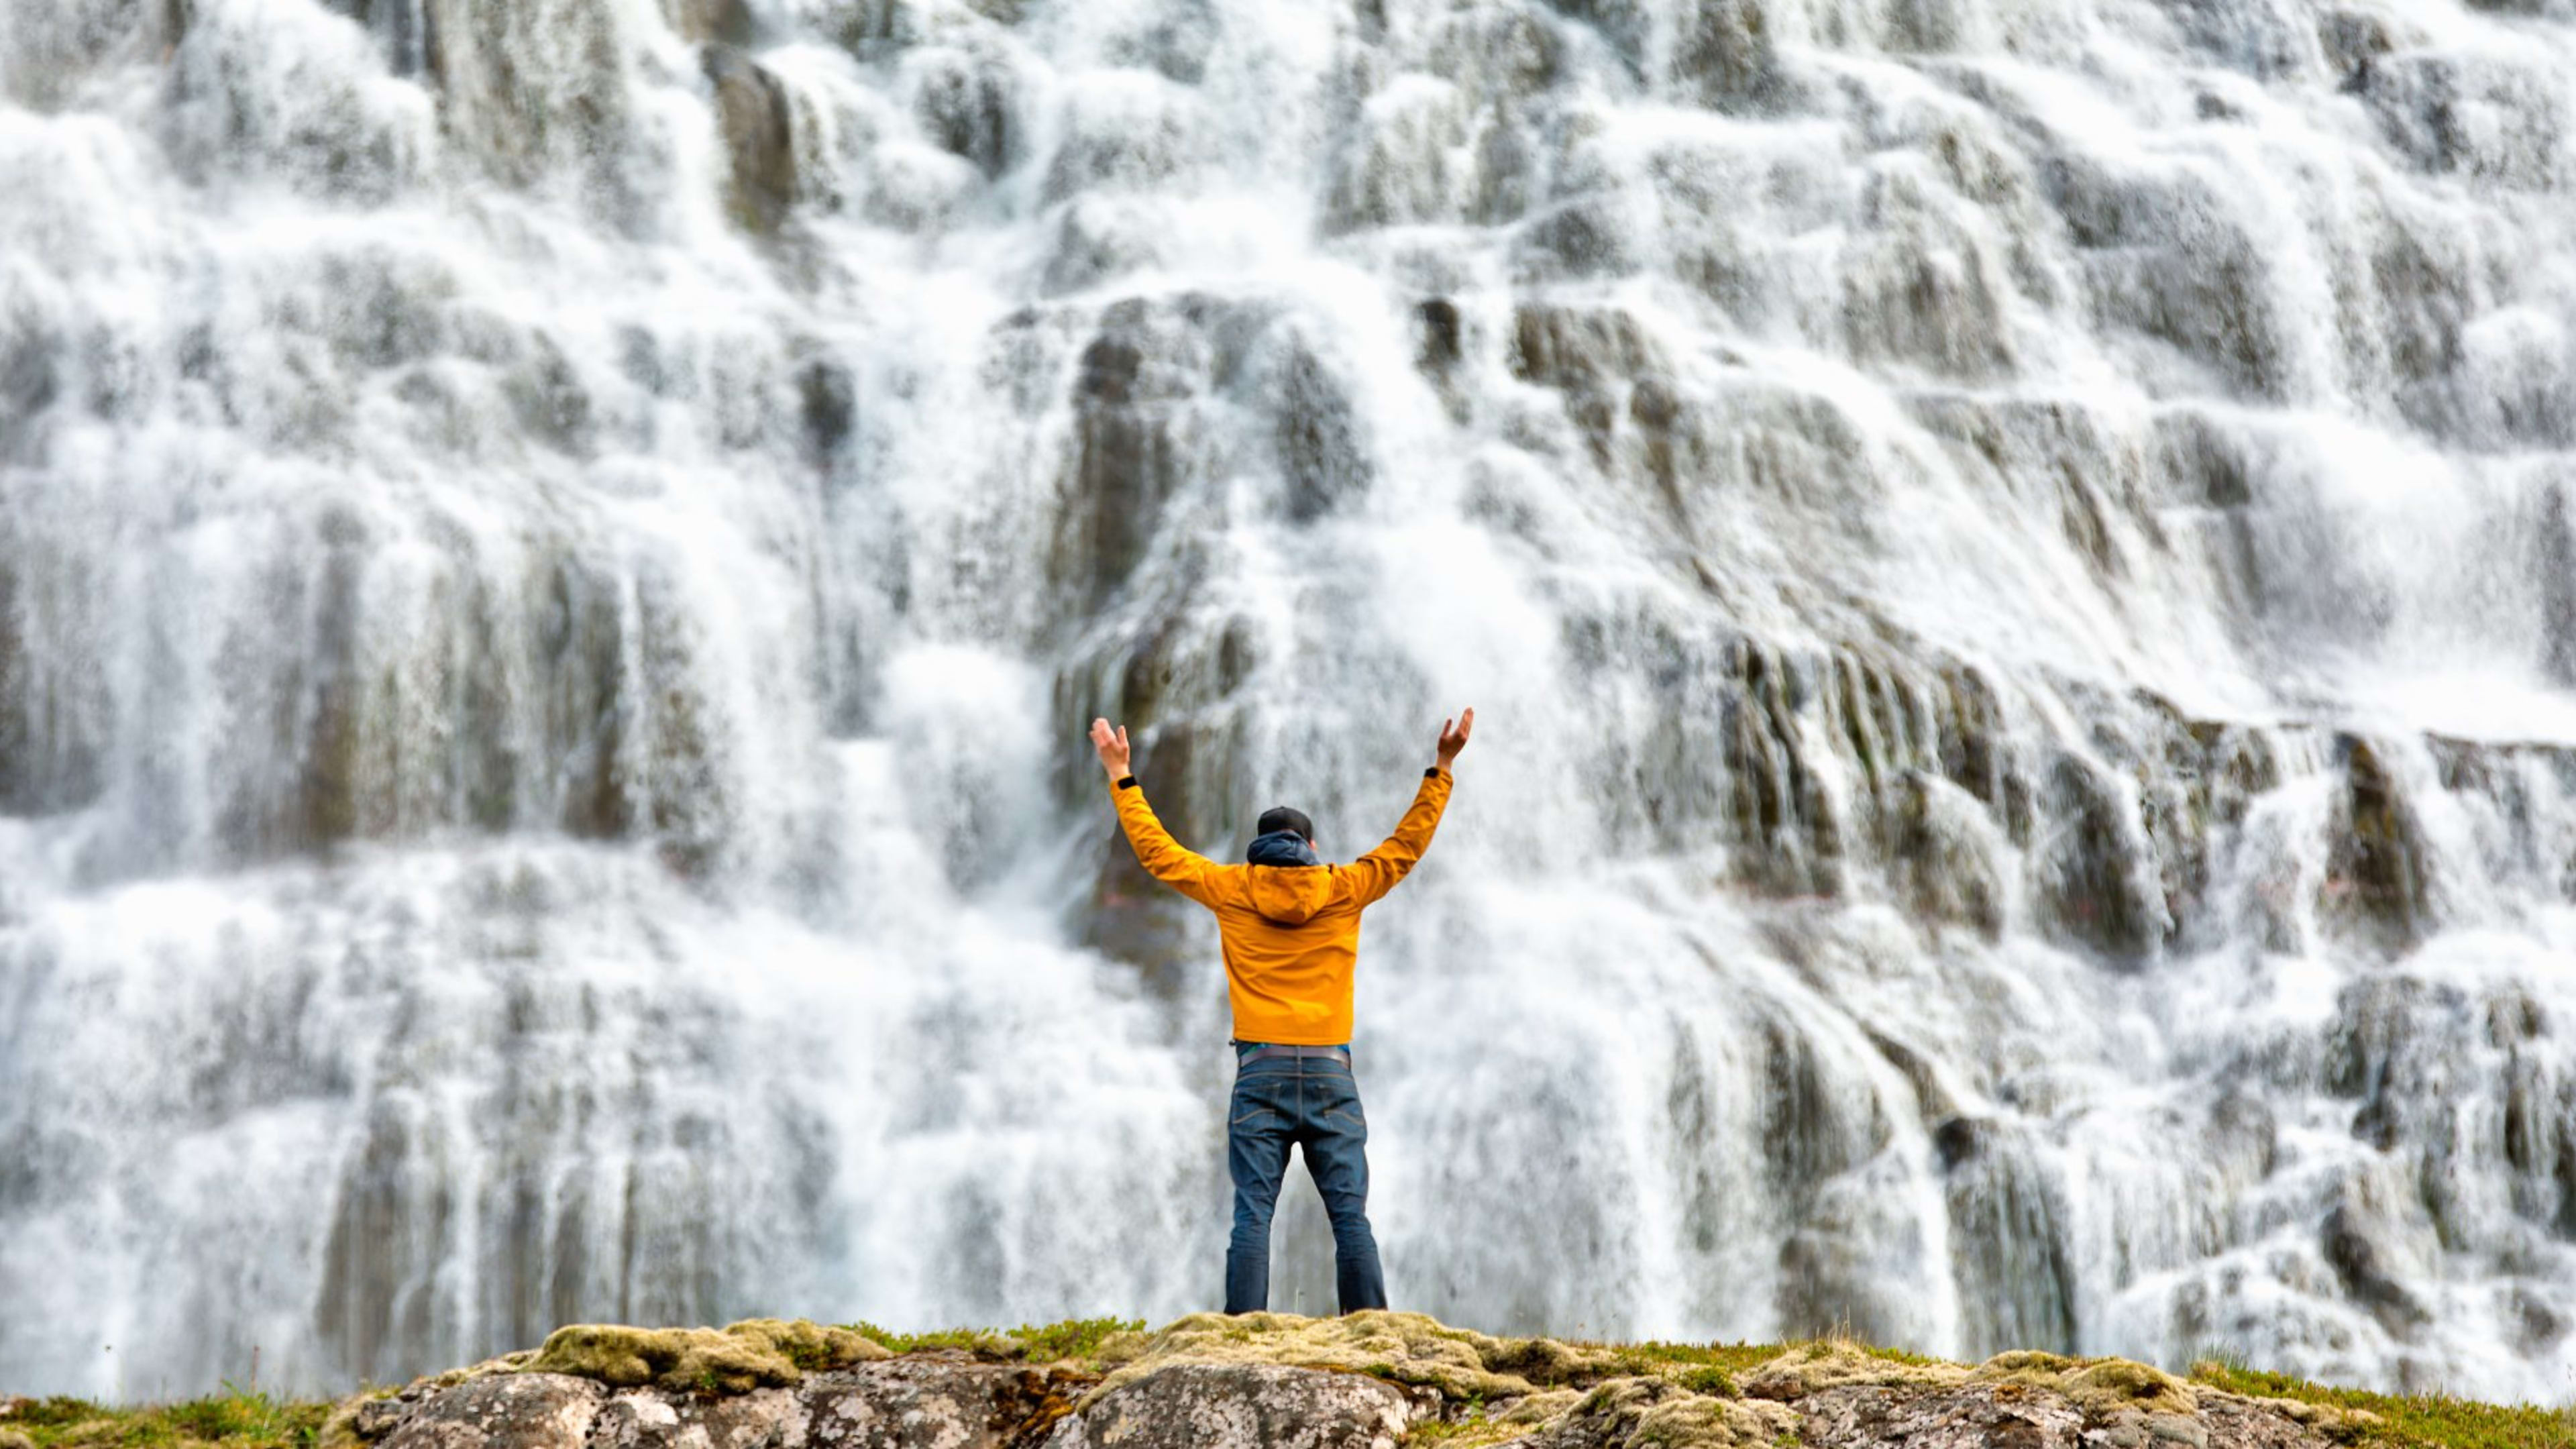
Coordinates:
1112 745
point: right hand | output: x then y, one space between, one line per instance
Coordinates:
1112 745
1453 735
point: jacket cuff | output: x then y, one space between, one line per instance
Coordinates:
1126 782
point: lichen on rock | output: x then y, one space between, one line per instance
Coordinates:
503 1411
755 1353
1247 1406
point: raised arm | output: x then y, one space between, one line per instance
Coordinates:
1376 873
1164 858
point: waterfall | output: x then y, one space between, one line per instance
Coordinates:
2013 556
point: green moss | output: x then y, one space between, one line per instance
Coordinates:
755 1353
1075 1340
1643 1411
2433 1421
2119 1383
1708 1380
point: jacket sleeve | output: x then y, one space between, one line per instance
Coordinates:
1374 874
1164 858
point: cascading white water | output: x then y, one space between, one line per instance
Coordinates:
2013 556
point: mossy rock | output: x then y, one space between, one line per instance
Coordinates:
360 1418
2341 1424
1832 1364
1654 1411
753 1354
1407 1348
2100 1387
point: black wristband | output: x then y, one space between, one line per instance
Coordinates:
1432 774
1126 782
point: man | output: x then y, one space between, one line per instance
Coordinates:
1291 928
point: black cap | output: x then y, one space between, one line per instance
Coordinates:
1280 817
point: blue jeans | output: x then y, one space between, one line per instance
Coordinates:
1314 1103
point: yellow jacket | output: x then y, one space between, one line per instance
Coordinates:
1291 933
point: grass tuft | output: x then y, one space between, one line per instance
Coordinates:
2405 1419
1708 1379
236 1418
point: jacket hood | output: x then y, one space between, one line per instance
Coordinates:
1295 886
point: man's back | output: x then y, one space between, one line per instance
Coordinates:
1291 932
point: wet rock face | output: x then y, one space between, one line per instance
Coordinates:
1919 289
969 105
725 21
1321 451
523 121
2008 1216
2175 259
2377 873
2096 886
1604 364
751 110
1166 393
53 711
1134 443
1725 53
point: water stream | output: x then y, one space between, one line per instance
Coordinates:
2013 558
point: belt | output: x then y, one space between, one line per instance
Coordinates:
1341 1055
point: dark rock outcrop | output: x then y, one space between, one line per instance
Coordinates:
1725 52
1134 444
2376 874
751 110
969 104
728 21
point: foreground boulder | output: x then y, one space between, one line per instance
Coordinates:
501 1411
1368 1381
1240 1406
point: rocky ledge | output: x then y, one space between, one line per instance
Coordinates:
1368 1381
